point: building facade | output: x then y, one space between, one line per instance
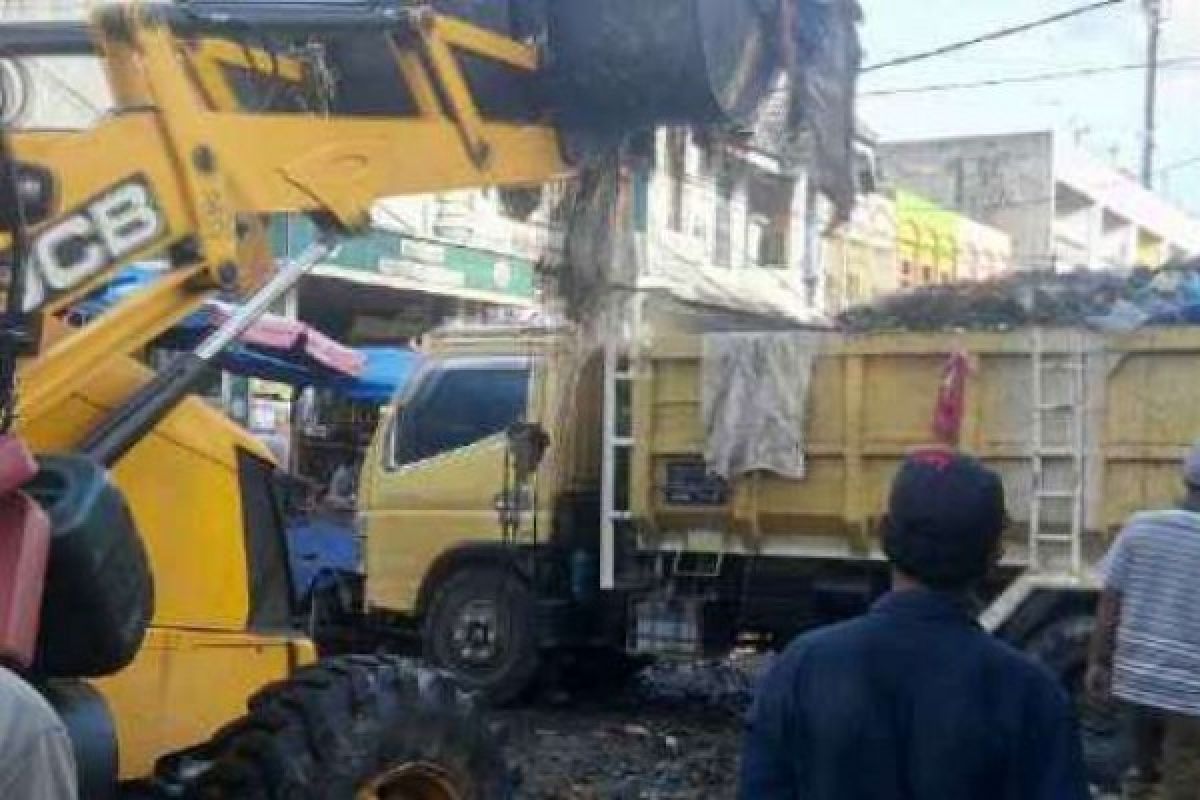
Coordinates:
720 223
726 225
1063 209
937 245
899 240
859 259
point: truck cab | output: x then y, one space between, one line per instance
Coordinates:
461 544
434 470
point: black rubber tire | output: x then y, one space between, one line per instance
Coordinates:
333 727
99 595
511 673
1105 729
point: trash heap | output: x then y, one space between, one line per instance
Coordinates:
1106 301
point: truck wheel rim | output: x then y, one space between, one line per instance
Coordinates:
475 635
417 781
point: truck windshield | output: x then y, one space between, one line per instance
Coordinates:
454 408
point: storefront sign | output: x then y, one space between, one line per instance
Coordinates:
420 264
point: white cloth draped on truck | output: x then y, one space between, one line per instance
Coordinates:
755 401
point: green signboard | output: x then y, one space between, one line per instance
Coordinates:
411 262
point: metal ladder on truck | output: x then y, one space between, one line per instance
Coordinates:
1059 396
1059 404
618 456
1055 551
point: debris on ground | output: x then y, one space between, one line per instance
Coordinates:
725 684
673 733
1103 300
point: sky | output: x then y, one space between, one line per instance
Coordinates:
1101 113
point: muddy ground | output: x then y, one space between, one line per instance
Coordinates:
671 734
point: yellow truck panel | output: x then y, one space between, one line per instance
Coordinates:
872 400
420 511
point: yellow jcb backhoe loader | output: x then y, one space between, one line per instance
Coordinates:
164 637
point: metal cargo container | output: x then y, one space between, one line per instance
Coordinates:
872 400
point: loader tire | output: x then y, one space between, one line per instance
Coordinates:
357 727
481 627
1105 728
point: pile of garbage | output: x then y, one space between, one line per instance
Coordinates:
726 684
1106 301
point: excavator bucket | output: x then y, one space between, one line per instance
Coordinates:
610 66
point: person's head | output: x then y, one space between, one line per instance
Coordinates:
1191 477
944 521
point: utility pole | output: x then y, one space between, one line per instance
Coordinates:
1154 24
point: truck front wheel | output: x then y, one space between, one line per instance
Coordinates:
480 626
356 728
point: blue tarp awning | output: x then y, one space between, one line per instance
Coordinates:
386 369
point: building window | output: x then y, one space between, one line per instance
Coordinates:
769 205
676 144
722 247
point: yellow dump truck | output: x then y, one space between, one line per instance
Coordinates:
621 538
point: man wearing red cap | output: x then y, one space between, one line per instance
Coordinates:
914 700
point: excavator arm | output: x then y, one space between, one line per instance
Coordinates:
228 111
182 168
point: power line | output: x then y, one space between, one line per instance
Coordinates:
994 35
1041 77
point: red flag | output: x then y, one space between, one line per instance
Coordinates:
951 398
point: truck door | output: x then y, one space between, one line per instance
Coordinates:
442 469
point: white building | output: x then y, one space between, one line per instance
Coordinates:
722 224
1063 208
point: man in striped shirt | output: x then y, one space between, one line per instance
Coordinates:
1146 648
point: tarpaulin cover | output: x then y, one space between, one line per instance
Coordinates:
274 348
273 335
823 56
755 401
385 373
270 333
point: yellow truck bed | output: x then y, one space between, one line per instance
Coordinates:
872 399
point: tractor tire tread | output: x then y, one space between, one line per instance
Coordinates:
335 724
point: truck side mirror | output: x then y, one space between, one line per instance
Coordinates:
527 443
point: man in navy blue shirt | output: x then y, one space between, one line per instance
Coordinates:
914 701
